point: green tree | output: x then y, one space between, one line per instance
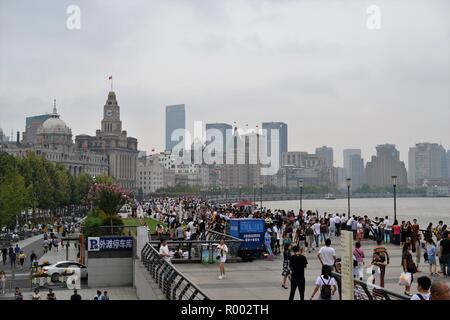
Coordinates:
13 197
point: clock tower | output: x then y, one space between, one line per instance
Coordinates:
111 115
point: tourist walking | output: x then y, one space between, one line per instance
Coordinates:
164 251
12 257
33 259
2 282
326 284
359 256
444 255
297 264
222 250
380 259
22 257
286 269
310 237
423 289
396 232
387 230
327 254
408 265
4 255
56 244
431 256
268 243
316 228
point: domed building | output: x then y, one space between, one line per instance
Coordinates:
54 142
54 133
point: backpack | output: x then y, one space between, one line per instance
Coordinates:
325 290
420 296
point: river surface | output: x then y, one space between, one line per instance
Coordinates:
425 210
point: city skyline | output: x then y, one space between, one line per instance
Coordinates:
241 61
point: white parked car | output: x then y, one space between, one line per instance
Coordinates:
56 269
125 211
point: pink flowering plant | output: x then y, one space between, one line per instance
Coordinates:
109 198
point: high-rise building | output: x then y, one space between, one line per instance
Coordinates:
326 153
112 141
3 138
175 119
282 140
227 137
356 170
32 124
384 165
426 161
347 154
448 164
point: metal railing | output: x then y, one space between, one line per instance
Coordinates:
174 285
363 291
194 250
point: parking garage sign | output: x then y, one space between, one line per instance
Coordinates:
110 243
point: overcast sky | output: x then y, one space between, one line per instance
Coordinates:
313 64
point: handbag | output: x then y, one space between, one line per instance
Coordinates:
405 279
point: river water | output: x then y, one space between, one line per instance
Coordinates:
425 210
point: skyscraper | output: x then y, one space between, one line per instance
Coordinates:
384 165
426 161
326 153
31 126
282 138
448 164
175 119
347 154
356 169
227 136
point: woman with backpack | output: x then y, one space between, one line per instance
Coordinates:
326 283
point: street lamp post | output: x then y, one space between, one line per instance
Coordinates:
349 184
394 183
300 190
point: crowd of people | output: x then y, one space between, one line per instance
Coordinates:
292 234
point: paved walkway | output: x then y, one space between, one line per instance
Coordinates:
261 279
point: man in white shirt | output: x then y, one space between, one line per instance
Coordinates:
316 228
349 224
387 230
164 251
423 288
337 223
327 254
332 230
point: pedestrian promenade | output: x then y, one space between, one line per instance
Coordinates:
261 279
